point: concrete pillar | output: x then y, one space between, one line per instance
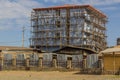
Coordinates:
27 61
69 64
84 61
54 63
14 61
100 63
40 64
1 62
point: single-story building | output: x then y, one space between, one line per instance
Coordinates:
111 60
77 57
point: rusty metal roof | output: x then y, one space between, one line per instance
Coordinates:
72 6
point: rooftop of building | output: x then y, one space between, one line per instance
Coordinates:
15 48
115 49
72 6
73 50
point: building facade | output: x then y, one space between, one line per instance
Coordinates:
69 25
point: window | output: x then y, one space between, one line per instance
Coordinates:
57 35
58 12
57 23
69 58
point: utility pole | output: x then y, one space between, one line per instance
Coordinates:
23 30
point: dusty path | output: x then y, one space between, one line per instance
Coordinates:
52 75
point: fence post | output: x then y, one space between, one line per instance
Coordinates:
100 62
1 62
84 61
69 62
14 60
27 61
54 63
40 62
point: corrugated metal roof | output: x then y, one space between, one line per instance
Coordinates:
111 50
74 47
72 6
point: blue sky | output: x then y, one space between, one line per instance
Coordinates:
14 14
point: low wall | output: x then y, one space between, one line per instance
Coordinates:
51 61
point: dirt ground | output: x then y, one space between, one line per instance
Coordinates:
52 75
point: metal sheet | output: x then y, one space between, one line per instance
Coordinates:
92 61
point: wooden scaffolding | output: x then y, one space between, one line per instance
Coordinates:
76 25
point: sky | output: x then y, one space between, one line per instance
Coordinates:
15 14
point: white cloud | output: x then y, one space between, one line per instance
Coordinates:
55 1
16 12
102 2
92 2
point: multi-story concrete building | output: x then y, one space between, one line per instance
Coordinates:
69 25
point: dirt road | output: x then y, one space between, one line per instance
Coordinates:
52 75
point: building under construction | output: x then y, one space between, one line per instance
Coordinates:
56 27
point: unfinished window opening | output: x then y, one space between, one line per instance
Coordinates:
69 58
57 35
58 12
54 56
57 24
